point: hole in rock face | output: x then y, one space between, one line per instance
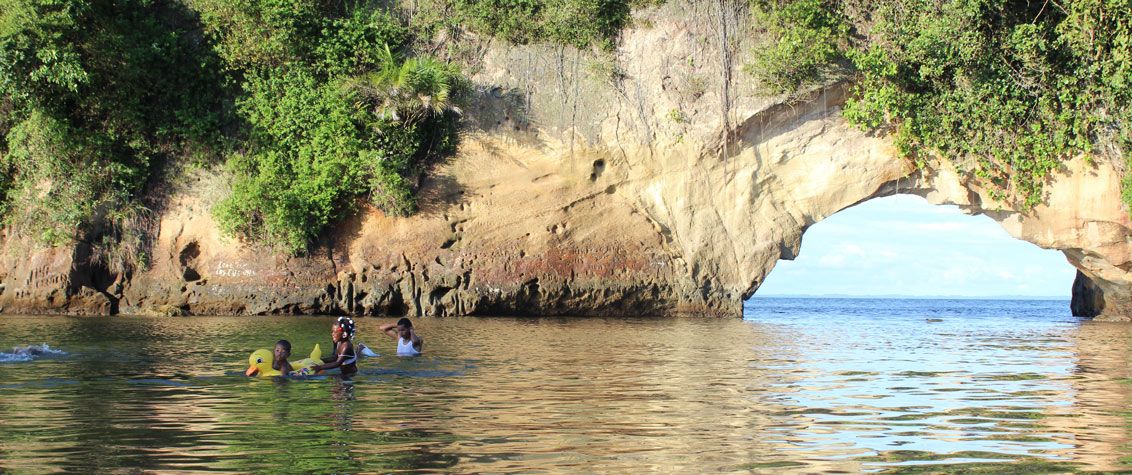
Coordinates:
904 247
189 253
598 168
396 306
187 257
190 275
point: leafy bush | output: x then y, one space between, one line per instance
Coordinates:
1005 88
96 94
517 21
333 116
578 23
358 42
810 38
314 153
334 39
261 32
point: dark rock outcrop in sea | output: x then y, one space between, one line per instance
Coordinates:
670 186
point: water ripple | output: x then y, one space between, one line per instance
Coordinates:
799 387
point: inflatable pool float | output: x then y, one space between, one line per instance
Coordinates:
365 351
261 361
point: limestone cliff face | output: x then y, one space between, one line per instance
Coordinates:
653 181
1082 216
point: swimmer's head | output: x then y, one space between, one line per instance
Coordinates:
343 329
282 349
405 328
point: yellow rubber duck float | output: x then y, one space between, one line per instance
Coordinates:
261 361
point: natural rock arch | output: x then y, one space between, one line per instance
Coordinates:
671 185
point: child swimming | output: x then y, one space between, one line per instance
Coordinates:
282 352
408 343
344 357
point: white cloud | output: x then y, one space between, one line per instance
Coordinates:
955 275
887 254
944 226
835 261
906 246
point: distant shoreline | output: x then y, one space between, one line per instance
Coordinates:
908 297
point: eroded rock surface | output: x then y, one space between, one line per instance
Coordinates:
658 181
1082 216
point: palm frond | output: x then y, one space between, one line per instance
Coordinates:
411 89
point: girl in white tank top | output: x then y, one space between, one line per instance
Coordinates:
408 343
405 348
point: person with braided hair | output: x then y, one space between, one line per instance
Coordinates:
344 357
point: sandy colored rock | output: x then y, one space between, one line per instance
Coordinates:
1082 215
652 181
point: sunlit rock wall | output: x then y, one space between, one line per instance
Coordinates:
655 180
1082 216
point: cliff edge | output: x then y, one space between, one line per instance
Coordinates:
650 181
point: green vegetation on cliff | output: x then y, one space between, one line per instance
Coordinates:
101 101
317 107
94 97
313 107
809 42
333 115
1008 89
578 23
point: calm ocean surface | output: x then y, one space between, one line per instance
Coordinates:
799 385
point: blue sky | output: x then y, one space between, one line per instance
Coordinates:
903 245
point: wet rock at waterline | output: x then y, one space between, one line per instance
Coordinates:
653 191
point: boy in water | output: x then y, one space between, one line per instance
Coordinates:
282 352
344 356
408 343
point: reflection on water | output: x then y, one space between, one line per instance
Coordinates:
800 385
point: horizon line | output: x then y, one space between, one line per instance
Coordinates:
922 297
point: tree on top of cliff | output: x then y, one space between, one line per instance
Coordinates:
412 90
582 24
1007 89
96 95
315 143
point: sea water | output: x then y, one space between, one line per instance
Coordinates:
798 385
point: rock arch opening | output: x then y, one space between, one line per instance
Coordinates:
903 246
